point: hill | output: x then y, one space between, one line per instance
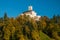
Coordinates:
29 26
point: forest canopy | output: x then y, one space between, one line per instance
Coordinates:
26 28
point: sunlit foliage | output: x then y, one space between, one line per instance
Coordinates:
26 28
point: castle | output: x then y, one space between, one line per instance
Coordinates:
31 13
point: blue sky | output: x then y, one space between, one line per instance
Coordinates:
13 8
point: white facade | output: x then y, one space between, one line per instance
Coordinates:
31 14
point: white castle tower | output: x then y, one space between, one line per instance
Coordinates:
30 8
31 13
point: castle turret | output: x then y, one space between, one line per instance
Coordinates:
30 8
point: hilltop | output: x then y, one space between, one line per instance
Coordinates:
29 26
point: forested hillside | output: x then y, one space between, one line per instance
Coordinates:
26 28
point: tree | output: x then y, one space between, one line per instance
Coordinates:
5 16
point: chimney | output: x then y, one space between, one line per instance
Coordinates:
30 8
